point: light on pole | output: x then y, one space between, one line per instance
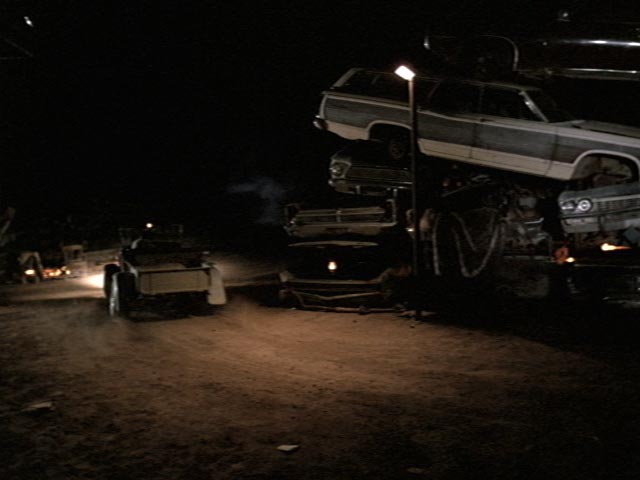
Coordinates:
407 74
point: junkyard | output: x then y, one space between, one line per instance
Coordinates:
534 394
266 241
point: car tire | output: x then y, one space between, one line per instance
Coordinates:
398 147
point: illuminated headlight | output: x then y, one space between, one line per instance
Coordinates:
584 205
337 170
332 266
568 207
30 272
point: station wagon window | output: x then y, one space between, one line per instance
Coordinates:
386 85
548 107
376 84
502 102
455 98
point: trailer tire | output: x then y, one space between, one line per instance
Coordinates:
109 271
121 294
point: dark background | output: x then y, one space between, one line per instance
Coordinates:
200 112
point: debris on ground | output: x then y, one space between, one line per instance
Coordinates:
45 406
416 471
288 448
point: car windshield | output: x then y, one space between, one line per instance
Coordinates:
548 107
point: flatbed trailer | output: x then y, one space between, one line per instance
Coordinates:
157 268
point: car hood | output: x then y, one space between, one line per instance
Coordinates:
601 193
606 127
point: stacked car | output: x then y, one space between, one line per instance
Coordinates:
502 169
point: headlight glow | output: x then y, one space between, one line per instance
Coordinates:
332 266
95 281
29 271
606 247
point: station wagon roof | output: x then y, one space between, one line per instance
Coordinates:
440 78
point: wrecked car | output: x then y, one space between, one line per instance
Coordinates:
350 258
334 274
615 207
364 168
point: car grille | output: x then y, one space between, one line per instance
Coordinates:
329 289
384 175
337 218
617 205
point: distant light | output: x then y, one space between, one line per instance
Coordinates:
332 266
28 21
570 260
606 247
149 225
405 72
29 271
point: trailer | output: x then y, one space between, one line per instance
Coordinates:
155 267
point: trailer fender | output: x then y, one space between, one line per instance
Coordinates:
216 294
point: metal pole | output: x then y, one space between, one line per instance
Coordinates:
414 198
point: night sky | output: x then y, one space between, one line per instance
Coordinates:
190 111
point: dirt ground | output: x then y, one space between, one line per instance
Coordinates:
528 395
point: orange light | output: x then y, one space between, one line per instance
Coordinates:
53 272
605 247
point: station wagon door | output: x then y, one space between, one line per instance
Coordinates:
447 128
511 136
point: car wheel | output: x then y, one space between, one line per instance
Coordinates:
399 148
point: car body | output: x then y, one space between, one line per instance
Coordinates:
498 125
493 126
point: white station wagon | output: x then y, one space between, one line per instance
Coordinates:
495 125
